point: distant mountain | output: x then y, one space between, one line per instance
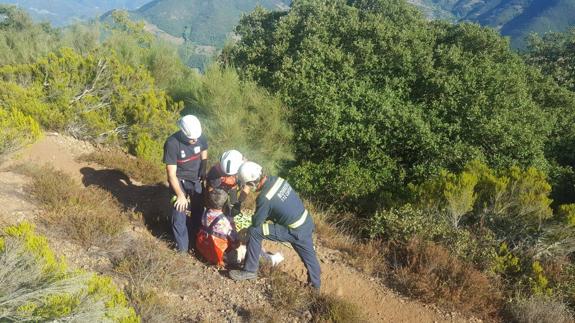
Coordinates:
514 18
63 12
200 21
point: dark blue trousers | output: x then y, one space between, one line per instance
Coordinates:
300 239
185 227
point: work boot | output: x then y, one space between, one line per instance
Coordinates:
242 275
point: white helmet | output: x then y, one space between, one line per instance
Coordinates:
231 161
190 126
249 172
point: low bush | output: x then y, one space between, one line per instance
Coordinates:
408 222
539 309
428 271
139 169
16 130
88 216
35 285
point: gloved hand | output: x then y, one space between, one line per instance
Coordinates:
236 209
202 173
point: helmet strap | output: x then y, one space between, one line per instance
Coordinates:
261 183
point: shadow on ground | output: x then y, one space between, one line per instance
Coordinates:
152 201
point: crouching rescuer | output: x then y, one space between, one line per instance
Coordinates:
290 222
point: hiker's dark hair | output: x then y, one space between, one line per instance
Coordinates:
217 198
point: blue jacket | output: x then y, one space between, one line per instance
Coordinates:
279 203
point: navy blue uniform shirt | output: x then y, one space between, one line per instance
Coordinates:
278 202
178 151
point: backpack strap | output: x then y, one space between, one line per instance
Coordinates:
210 228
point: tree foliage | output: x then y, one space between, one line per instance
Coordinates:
239 115
381 97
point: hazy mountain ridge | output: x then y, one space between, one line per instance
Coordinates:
63 12
514 18
202 22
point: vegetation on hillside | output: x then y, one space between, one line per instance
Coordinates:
37 286
439 135
450 155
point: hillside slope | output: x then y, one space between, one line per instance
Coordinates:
514 18
64 12
212 296
202 22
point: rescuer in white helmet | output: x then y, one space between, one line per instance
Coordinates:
186 156
291 222
223 176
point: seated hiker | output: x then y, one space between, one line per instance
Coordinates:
217 234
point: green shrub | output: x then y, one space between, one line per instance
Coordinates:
538 281
454 194
407 223
22 40
513 203
38 286
566 214
402 224
16 130
95 97
506 263
238 115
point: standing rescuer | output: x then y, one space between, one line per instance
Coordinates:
185 156
292 223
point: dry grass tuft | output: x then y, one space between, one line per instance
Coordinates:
260 314
540 309
136 168
297 299
89 217
328 308
151 269
286 294
429 272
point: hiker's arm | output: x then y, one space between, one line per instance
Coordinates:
181 203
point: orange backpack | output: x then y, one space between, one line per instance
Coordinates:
212 245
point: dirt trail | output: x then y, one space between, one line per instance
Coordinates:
378 303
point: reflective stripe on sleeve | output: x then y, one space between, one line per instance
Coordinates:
270 194
266 229
299 222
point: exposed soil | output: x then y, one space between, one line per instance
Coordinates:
213 296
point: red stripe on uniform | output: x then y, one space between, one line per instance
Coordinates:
181 161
